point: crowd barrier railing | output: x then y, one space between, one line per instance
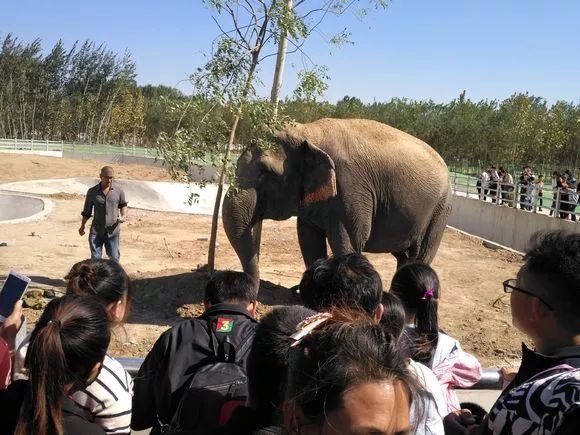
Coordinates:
489 381
526 197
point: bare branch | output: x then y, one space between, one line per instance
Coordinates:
235 21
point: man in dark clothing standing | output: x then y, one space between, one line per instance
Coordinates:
230 304
106 201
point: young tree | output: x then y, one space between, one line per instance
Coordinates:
228 81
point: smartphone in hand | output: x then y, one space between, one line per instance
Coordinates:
12 291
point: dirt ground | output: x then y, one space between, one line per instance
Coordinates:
162 252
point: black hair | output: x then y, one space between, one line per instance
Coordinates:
347 350
417 286
230 287
393 314
69 339
555 255
105 279
268 360
346 281
393 321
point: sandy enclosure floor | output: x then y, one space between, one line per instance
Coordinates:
162 252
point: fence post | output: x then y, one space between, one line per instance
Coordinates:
46 145
557 206
62 146
498 197
467 187
14 143
31 144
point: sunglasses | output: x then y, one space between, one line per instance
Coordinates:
509 285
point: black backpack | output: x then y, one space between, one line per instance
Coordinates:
218 386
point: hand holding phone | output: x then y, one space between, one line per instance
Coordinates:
12 291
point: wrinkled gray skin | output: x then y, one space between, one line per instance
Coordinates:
392 192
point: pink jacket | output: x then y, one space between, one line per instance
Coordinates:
454 368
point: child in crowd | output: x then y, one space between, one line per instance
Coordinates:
417 286
65 354
427 419
108 400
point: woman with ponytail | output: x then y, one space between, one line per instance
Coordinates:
417 286
108 400
65 355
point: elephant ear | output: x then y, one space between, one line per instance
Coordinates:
318 175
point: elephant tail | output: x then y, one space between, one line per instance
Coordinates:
434 232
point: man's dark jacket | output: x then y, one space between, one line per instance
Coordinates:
167 370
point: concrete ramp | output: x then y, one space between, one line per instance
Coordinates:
22 208
147 195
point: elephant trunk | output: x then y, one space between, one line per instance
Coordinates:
238 214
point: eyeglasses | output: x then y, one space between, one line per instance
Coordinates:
509 286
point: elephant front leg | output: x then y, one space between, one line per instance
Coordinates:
312 242
340 241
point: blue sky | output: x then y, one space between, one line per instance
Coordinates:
417 49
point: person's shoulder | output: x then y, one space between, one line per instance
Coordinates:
112 368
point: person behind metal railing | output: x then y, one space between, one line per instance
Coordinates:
543 397
540 191
482 184
564 194
526 183
507 186
493 184
556 185
572 198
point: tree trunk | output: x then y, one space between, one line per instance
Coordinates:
280 64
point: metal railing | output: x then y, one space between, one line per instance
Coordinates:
558 203
490 380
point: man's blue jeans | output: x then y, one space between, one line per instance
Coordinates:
111 243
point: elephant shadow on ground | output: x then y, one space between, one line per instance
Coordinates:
166 300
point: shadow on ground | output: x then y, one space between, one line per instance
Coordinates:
167 299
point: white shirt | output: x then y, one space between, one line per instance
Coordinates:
429 419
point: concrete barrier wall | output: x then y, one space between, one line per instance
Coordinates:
503 225
207 172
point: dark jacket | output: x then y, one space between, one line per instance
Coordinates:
167 369
73 421
249 421
534 364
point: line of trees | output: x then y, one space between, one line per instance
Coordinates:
88 93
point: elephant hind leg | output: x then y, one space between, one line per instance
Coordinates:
429 244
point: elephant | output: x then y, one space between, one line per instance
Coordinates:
359 184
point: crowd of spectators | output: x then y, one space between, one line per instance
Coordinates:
354 358
497 184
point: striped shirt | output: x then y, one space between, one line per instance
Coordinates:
107 401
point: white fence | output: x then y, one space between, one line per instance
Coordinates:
31 145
